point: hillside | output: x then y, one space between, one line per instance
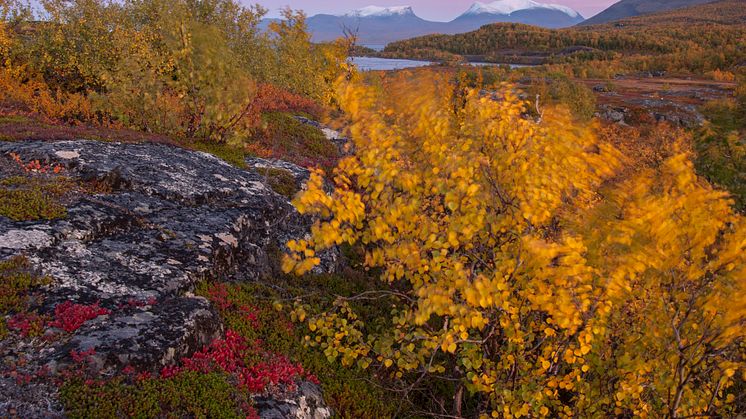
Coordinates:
698 39
631 8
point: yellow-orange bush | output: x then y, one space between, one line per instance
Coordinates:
520 265
182 68
18 87
4 43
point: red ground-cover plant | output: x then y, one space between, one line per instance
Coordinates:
27 324
135 303
218 295
83 356
69 317
236 356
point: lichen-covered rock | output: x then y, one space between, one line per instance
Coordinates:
170 219
309 403
300 174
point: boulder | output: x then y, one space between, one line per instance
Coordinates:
169 219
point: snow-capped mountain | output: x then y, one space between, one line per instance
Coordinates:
373 25
506 7
376 11
520 11
381 25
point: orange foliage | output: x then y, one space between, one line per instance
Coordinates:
270 98
37 97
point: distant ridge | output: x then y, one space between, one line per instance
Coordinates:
631 8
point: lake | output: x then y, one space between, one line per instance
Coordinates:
379 64
386 64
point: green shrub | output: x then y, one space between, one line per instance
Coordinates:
576 96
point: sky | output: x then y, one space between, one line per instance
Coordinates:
439 10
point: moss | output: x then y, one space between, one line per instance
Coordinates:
14 119
3 329
30 199
231 154
281 181
188 394
17 279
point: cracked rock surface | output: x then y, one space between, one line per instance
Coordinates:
170 219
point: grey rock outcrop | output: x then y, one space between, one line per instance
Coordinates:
171 218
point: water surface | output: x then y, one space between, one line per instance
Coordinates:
385 64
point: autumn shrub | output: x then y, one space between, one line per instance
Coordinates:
507 270
295 64
185 69
5 42
35 96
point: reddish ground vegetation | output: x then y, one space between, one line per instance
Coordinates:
69 317
270 98
27 324
233 355
20 125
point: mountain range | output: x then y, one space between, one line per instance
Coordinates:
375 25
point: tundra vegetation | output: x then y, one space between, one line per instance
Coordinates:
501 257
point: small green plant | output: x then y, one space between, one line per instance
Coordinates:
17 279
234 155
281 181
189 394
32 198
